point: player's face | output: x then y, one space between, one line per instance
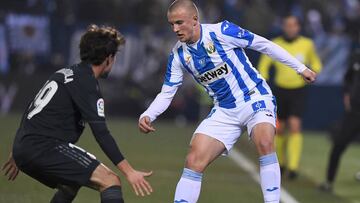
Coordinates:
291 27
183 23
107 69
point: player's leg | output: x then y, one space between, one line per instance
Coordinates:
350 128
297 99
66 164
203 150
263 137
107 183
261 128
65 194
86 171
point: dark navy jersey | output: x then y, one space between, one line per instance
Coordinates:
352 80
69 98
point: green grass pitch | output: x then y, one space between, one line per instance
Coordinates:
164 153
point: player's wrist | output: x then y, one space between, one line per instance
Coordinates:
302 69
125 167
145 114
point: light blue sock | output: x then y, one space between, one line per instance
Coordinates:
188 187
270 178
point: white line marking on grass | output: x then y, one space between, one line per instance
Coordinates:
250 168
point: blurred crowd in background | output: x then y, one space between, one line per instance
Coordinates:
38 37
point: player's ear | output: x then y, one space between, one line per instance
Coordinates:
195 18
107 60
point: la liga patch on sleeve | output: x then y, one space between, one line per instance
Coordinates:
100 107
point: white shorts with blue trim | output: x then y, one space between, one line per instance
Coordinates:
226 125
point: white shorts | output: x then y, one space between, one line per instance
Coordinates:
226 125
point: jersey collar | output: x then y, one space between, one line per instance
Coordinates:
86 67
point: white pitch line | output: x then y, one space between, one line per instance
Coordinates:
250 168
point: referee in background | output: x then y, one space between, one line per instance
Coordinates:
290 92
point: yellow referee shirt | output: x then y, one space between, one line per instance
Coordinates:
301 48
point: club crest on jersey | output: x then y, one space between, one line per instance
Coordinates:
214 74
100 107
187 59
202 62
210 48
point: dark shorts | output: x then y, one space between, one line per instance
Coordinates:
290 102
53 162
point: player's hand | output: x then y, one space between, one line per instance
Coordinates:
145 125
138 182
308 75
10 168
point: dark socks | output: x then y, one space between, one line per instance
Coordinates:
112 194
65 194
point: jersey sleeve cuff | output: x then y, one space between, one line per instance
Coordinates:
301 69
152 118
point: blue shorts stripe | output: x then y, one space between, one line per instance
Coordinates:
275 106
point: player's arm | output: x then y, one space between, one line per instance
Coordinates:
111 149
88 100
136 178
157 107
173 79
239 37
277 53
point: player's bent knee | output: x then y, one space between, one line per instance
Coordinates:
109 180
195 163
265 146
104 178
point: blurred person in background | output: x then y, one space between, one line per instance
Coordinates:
44 146
213 54
350 125
290 92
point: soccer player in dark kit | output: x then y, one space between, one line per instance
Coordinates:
44 144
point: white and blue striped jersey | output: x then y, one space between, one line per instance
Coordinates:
218 62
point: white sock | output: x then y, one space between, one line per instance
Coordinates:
270 178
188 187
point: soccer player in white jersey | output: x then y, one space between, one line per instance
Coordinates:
213 54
